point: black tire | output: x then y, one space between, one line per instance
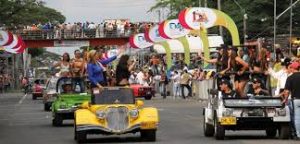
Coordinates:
209 130
219 130
57 120
148 97
75 130
284 131
80 136
47 106
33 97
271 132
148 135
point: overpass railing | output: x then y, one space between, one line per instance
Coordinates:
69 34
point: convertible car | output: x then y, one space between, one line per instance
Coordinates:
70 95
38 88
142 91
49 94
114 111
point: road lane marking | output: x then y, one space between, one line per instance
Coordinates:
22 99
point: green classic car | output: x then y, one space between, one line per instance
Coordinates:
71 94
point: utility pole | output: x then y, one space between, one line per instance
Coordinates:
245 17
291 26
159 16
220 27
205 3
274 36
199 2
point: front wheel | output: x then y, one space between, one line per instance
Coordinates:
148 135
148 97
284 131
33 96
209 130
47 106
80 136
57 120
219 130
271 132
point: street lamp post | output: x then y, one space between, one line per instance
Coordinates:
245 17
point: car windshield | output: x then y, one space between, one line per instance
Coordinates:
115 96
70 85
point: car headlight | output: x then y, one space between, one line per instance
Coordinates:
100 114
227 112
281 112
63 106
134 113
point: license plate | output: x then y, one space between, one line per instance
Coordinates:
148 125
228 121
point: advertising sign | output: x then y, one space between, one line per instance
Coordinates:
170 29
139 41
152 35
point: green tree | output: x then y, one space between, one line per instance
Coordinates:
25 12
34 52
260 14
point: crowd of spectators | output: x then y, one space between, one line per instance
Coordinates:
106 28
5 82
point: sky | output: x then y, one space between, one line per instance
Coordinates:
97 10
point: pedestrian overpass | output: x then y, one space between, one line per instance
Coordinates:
55 38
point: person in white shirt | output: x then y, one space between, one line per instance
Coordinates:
281 76
176 84
133 78
141 78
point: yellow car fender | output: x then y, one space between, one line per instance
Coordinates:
148 118
85 117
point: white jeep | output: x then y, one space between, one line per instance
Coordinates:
250 113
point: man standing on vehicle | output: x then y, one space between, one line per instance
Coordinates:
226 89
292 87
257 89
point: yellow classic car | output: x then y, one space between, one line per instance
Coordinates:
114 111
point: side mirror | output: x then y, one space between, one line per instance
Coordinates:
85 105
213 91
139 103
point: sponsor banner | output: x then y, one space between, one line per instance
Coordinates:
194 18
152 35
5 38
71 43
139 41
171 29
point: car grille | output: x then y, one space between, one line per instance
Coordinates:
117 118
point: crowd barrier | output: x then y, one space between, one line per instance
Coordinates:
199 88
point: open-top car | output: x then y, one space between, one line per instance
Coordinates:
49 94
70 95
38 88
142 91
249 113
114 111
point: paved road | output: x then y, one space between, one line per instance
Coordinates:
23 121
